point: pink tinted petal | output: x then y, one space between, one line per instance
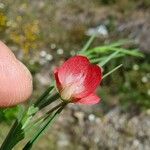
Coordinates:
91 82
56 78
74 69
89 100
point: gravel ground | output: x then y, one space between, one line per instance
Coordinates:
77 129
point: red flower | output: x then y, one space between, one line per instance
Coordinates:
77 80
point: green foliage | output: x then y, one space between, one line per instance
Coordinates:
9 114
15 135
47 122
130 84
136 87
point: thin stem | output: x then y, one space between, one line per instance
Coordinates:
109 58
87 45
104 76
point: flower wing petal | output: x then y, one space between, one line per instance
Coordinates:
89 100
91 82
56 78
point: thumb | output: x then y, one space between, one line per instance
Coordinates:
15 79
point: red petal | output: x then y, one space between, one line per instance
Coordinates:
72 69
89 100
56 78
91 82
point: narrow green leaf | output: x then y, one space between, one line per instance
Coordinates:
103 58
43 96
108 58
16 132
44 117
32 110
50 120
48 100
15 135
120 43
99 49
133 52
104 49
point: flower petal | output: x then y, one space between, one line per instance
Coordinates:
74 69
91 82
89 100
56 78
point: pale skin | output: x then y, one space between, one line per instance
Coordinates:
15 79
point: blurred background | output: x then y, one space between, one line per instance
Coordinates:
44 33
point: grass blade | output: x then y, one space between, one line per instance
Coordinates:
98 60
108 58
43 96
50 120
134 52
120 43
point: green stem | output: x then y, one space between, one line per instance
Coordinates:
107 74
108 58
87 45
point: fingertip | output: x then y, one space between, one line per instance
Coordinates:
15 79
